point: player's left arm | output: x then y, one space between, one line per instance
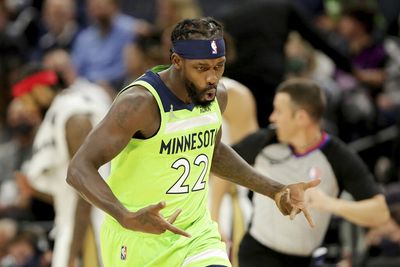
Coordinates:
228 165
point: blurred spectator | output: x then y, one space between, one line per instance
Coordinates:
24 21
98 51
23 119
22 251
388 100
68 117
368 55
85 217
60 24
12 54
142 55
260 63
8 230
364 110
305 62
169 12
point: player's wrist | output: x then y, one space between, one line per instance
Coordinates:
278 190
124 218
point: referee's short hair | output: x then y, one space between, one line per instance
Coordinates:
305 94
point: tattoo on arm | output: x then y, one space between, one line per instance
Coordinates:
120 132
125 109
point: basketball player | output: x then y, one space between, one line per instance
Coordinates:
162 133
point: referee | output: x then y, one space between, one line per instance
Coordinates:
298 149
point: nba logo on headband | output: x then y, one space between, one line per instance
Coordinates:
199 49
214 47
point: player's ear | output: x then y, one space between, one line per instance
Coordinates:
176 60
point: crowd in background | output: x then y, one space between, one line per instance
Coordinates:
350 48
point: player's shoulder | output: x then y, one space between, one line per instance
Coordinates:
222 96
136 93
137 99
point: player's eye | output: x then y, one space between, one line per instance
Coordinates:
201 68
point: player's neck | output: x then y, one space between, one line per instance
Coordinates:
174 83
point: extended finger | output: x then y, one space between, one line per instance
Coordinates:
173 217
296 199
312 183
288 195
176 230
294 212
308 217
159 206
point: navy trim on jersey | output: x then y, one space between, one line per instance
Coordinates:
166 96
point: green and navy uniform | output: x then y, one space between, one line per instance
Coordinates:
173 165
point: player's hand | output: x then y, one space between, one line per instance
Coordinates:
290 200
149 220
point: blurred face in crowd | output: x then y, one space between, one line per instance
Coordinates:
22 251
102 12
134 60
170 12
285 117
23 117
8 230
59 61
138 58
349 28
165 12
57 14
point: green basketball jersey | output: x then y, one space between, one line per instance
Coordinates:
174 164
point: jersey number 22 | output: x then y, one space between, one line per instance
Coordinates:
180 187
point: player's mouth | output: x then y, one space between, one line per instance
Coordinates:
210 94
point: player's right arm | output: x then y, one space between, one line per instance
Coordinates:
135 111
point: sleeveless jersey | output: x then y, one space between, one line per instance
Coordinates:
175 163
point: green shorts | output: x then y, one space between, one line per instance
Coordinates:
122 247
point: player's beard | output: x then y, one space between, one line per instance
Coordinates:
196 95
